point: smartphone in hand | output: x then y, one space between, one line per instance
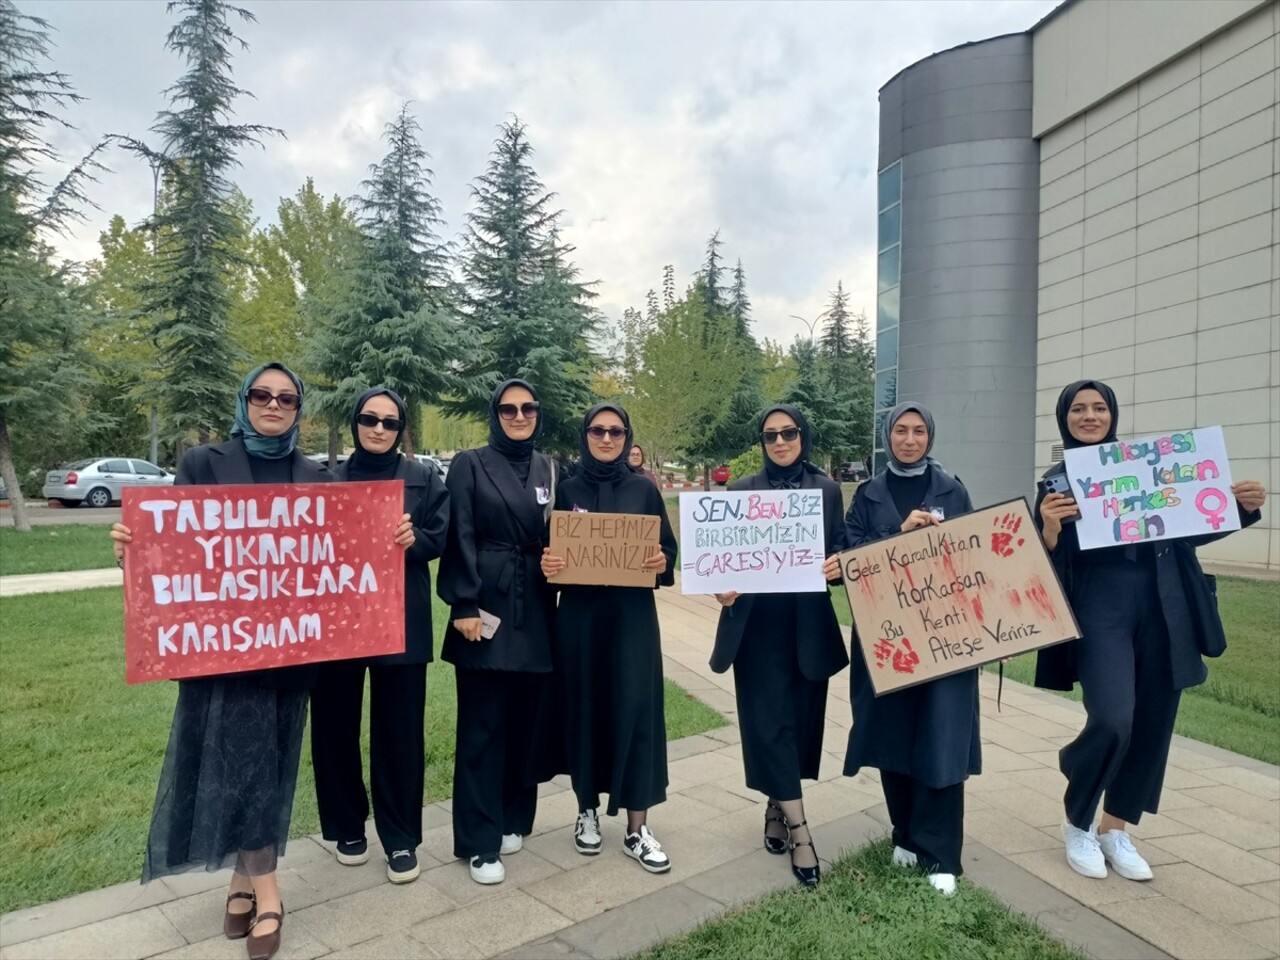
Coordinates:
1058 483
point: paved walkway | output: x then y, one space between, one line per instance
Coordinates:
1215 847
19 586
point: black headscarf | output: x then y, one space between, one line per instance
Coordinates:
788 478
374 466
1068 396
515 450
598 472
634 467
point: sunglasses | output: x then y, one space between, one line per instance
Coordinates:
613 433
789 434
508 411
389 423
262 398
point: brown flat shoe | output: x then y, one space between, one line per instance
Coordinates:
264 947
236 925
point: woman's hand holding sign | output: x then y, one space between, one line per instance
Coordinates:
831 569
1250 494
655 561
727 599
404 535
120 535
917 519
551 564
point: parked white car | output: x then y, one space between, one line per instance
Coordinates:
98 482
432 463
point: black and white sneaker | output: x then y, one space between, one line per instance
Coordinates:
402 867
644 848
487 868
352 853
586 835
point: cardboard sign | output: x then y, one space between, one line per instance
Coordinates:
752 541
952 597
1156 488
221 579
605 549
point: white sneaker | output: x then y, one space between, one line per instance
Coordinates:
586 834
1084 855
1118 849
944 883
903 857
511 843
644 848
487 868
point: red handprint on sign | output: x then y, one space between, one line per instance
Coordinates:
1002 542
905 662
884 651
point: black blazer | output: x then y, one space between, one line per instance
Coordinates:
820 646
1187 601
226 463
427 502
493 561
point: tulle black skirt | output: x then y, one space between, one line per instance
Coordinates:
230 771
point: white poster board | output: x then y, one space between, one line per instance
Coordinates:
752 541
1154 488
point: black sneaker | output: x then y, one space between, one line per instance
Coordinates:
586 833
644 848
352 853
402 866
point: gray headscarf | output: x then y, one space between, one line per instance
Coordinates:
894 415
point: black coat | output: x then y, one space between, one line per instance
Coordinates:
493 561
427 502
930 731
226 463
820 646
1187 601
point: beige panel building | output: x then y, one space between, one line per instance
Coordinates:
1159 234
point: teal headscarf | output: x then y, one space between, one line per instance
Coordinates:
268 448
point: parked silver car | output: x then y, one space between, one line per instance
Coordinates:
98 482
432 463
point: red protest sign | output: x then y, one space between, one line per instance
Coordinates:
221 579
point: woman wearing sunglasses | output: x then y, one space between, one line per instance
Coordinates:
231 766
499 635
783 648
397 682
608 657
924 739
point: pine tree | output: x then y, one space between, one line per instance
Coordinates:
393 321
532 313
43 318
837 333
711 272
198 230
668 286
739 302
845 372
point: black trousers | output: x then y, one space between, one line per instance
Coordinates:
1126 676
397 750
781 712
495 789
928 821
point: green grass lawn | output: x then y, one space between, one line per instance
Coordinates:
1238 708
82 751
72 546
867 908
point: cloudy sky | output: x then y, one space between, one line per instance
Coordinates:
656 123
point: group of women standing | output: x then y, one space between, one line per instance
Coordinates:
568 678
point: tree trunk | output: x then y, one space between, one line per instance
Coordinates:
335 444
10 476
706 477
155 436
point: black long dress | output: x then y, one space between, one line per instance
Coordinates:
231 767
492 563
784 647
608 665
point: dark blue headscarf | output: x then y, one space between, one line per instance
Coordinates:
266 448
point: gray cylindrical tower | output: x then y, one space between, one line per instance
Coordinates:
958 239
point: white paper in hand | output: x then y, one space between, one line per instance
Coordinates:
488 624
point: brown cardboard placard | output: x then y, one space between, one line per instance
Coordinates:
604 549
952 597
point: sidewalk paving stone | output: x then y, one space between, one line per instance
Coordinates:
129 936
1212 897
642 923
1221 858
1181 931
490 926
